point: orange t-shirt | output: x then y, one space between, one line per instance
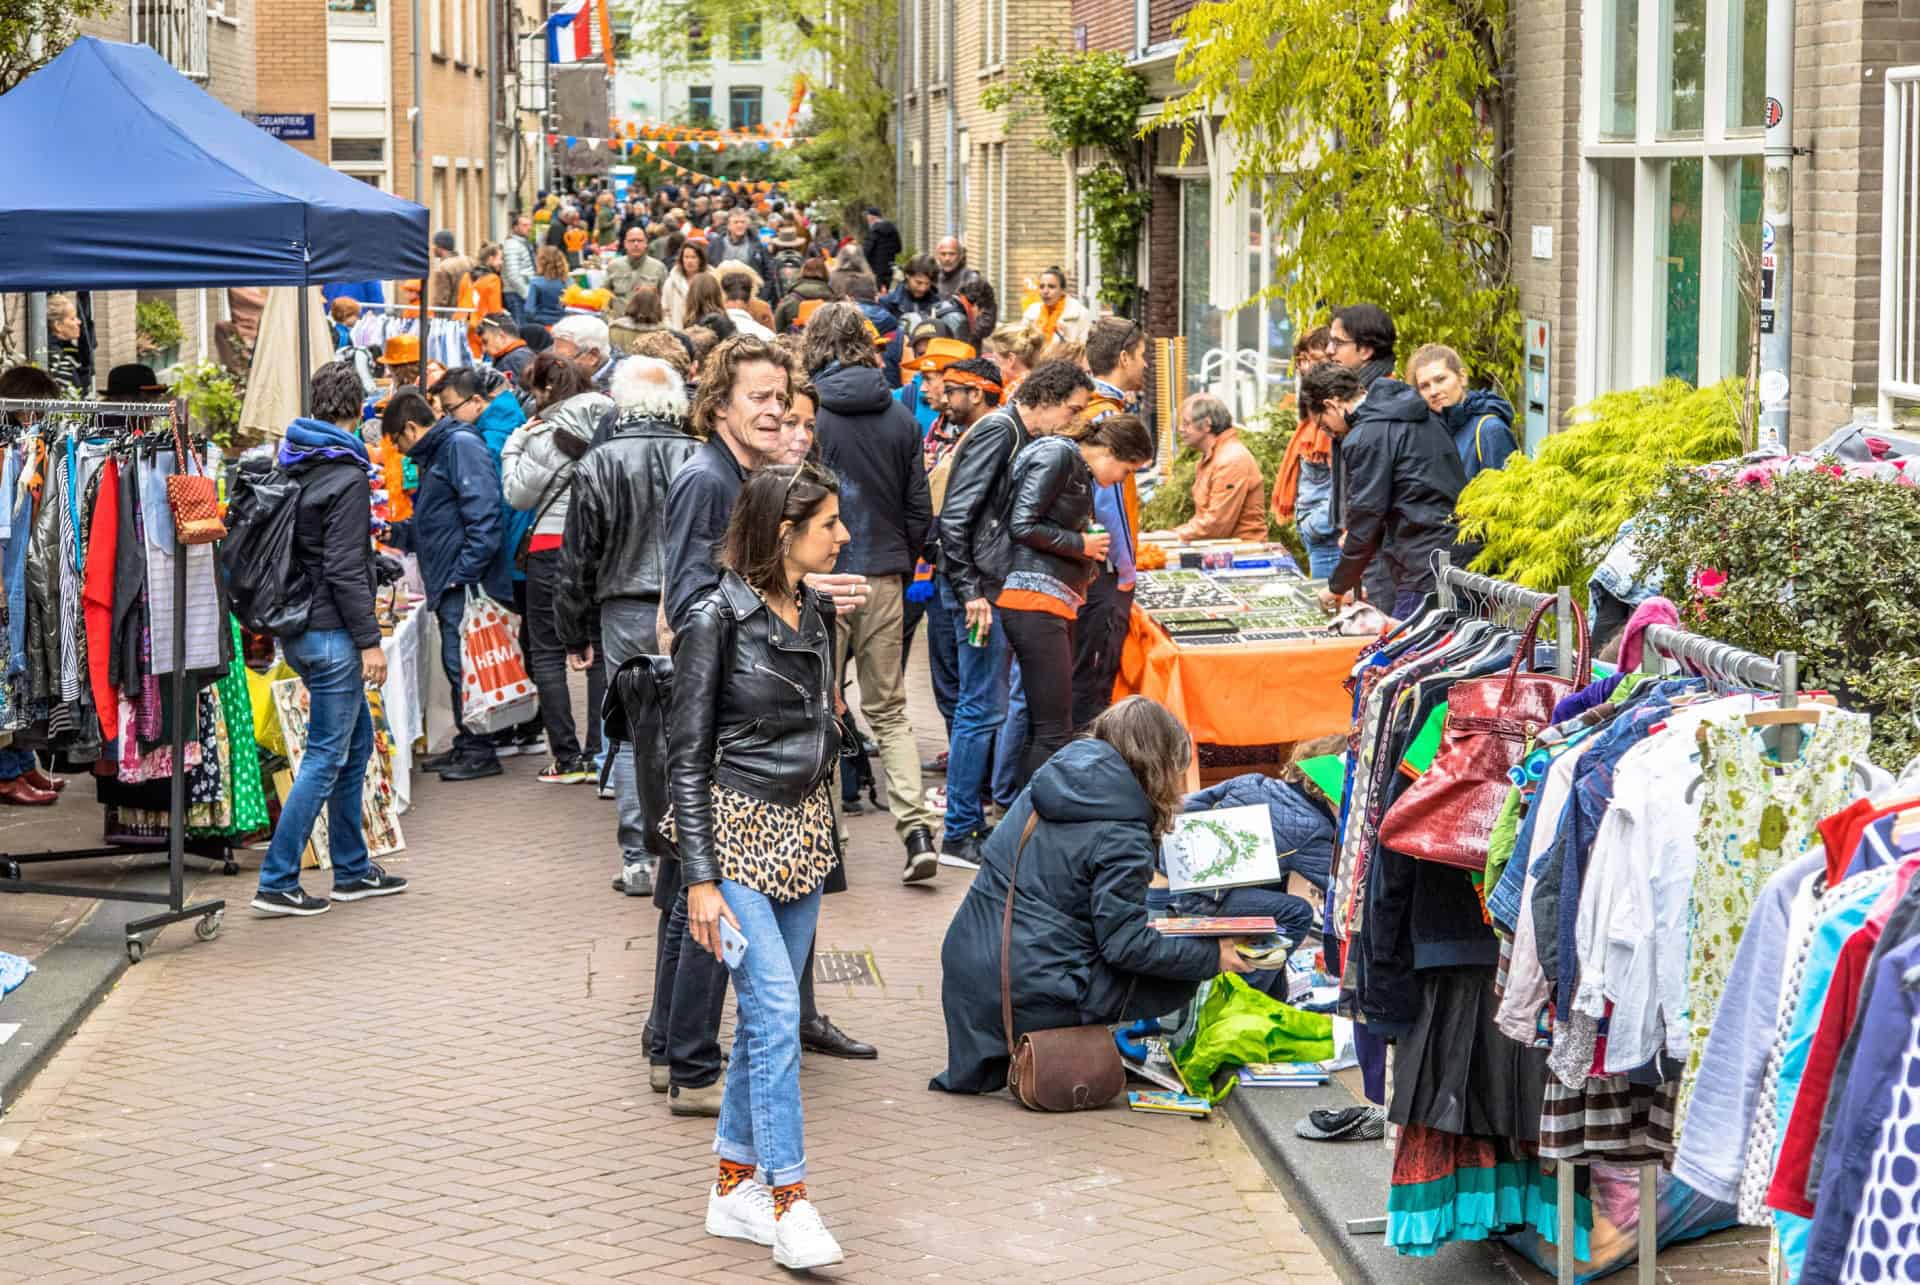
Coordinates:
1034 600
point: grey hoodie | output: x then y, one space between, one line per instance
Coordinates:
534 467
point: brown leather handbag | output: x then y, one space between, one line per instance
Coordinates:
1447 815
191 495
1067 1068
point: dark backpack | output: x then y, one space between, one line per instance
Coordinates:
786 270
271 592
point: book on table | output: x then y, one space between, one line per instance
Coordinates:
1221 848
1216 925
1165 1103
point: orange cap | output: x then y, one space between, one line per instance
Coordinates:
941 353
401 350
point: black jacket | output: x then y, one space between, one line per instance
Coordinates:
332 540
699 503
1052 505
1083 951
752 710
1402 477
455 528
976 550
616 544
873 443
882 247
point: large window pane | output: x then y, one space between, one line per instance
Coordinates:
1619 90
1197 315
1684 68
1746 64
1744 211
1682 261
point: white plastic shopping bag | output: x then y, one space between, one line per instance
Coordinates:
495 691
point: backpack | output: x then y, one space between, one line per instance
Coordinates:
786 270
271 593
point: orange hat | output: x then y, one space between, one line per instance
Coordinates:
401 350
941 353
581 299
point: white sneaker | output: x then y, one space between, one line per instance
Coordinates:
745 1213
801 1240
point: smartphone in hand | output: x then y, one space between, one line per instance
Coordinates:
733 947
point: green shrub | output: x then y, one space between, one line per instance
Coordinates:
1547 521
213 396
1816 564
155 326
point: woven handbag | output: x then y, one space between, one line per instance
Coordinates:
191 494
1066 1068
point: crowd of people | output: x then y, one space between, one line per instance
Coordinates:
725 461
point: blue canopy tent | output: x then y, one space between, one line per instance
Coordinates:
167 187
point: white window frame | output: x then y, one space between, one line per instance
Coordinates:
1598 367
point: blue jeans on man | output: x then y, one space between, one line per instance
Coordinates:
1010 743
516 305
1322 556
943 660
467 744
760 1116
977 716
333 770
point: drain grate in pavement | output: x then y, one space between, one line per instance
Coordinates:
853 967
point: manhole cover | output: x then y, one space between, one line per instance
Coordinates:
854 967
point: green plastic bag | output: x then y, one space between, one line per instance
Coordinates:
1238 1025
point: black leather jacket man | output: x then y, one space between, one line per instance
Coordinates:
751 711
975 548
616 537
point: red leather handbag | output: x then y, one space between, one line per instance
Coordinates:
1448 814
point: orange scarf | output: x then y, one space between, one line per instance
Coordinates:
1310 442
1050 316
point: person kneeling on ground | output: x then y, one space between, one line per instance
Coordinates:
1083 950
750 756
337 656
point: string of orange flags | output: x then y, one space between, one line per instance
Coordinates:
627 148
672 147
776 133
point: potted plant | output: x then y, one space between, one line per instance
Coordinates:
156 332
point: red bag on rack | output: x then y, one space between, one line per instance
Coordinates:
1447 815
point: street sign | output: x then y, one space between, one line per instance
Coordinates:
284 124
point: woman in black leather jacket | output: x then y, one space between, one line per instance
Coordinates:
1054 559
750 754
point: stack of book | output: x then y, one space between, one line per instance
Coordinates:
1282 1075
1158 1102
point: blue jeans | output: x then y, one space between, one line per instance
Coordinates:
15 764
760 1116
1322 556
333 771
983 704
516 305
1010 744
943 659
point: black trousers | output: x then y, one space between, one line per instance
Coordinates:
547 665
1098 637
1043 642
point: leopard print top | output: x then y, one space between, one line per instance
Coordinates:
783 851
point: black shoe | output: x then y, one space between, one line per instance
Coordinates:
471 769
295 902
964 855
922 862
434 762
822 1036
376 883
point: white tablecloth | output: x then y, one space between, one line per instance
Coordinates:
402 698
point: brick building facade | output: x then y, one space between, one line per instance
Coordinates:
989 182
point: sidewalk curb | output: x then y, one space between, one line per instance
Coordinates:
71 979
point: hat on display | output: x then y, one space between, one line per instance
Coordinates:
133 382
400 350
941 353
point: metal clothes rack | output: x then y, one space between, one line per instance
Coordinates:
412 309
208 913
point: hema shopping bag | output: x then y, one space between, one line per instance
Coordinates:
495 691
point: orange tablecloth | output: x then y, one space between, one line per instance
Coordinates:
1249 694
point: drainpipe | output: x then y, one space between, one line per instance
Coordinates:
36 336
1776 237
922 217
899 122
417 117
494 62
953 123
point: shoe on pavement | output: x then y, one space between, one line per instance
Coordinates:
935 797
701 1101
821 1036
1344 1124
574 772
964 855
745 1213
375 883
922 862
937 764
636 879
471 769
801 1240
659 1077
434 762
41 781
852 807
19 793
297 901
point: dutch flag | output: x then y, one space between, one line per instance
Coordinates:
570 34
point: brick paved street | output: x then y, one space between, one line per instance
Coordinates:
450 1086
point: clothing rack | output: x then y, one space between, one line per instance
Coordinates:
208 913
412 309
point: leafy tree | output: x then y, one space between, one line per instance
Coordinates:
1375 132
1091 102
54 22
849 158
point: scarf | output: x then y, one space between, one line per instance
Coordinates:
1050 316
313 439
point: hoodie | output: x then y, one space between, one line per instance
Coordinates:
1402 478
1481 424
869 439
332 534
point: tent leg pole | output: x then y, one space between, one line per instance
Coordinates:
306 353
